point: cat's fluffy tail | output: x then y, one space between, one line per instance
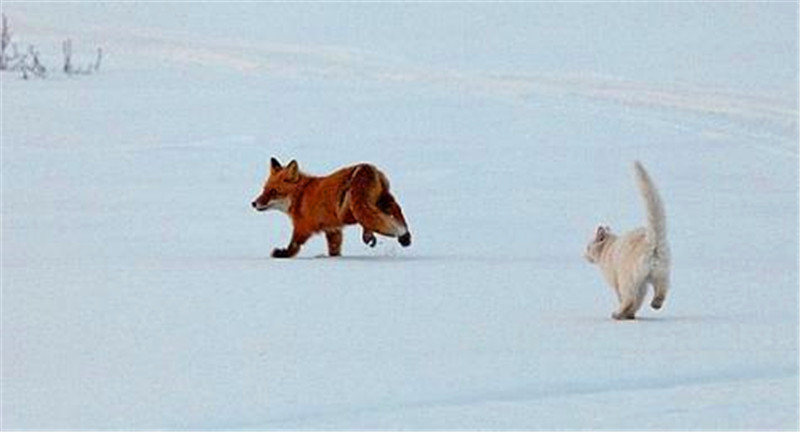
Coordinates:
656 220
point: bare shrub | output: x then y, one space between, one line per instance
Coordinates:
29 64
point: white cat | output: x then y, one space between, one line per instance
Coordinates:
636 259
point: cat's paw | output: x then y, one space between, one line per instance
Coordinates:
622 316
657 303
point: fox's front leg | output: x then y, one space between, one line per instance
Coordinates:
298 238
334 238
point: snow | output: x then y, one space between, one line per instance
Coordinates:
137 287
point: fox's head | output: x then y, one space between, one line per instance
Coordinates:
602 237
278 189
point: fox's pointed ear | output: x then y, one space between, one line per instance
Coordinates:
293 171
274 165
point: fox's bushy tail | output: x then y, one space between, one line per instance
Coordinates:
656 219
373 206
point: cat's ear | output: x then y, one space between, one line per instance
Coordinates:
601 233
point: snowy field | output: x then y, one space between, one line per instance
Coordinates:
137 287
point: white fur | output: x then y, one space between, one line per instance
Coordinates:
639 258
280 204
399 229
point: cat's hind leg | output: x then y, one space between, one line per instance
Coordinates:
631 298
660 288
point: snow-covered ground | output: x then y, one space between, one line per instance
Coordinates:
137 288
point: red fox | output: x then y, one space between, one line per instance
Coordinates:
355 194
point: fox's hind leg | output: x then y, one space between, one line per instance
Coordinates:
368 237
374 221
345 214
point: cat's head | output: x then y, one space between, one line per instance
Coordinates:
602 237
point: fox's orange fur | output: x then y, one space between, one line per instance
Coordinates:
355 194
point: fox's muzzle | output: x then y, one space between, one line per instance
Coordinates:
270 202
262 201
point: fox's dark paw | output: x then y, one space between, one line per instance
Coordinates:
405 240
369 239
657 303
281 253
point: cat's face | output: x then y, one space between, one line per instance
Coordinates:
595 247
